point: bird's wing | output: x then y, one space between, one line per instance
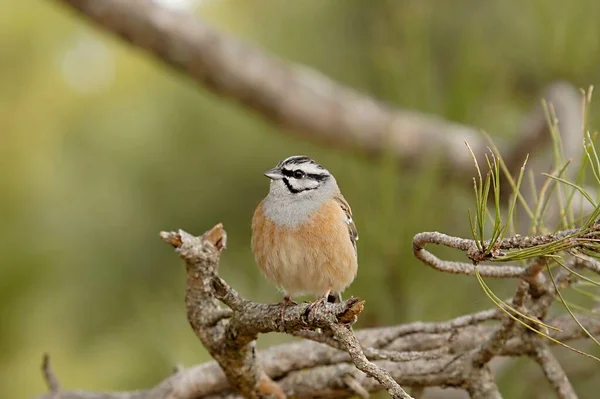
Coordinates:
353 232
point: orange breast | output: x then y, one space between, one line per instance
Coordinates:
311 258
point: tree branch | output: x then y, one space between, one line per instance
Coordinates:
532 300
452 353
49 376
348 340
579 238
554 371
305 101
231 340
235 355
496 341
311 370
421 239
482 385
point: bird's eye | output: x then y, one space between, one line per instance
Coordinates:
298 174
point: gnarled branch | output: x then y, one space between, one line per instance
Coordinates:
232 340
453 353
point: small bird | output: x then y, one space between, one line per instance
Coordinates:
303 235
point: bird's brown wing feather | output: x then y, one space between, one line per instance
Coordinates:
353 232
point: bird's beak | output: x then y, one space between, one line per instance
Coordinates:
274 174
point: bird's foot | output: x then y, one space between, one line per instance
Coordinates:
317 304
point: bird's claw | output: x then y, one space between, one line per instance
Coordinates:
315 305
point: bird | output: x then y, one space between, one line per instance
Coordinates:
303 235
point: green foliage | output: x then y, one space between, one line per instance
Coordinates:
549 253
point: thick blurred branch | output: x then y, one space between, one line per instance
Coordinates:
308 103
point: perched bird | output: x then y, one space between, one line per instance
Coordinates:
303 235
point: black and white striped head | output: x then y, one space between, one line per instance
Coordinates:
299 186
298 175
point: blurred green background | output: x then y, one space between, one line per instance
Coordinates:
102 147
